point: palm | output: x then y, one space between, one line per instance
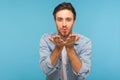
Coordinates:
71 40
57 41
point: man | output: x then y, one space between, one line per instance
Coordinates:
65 55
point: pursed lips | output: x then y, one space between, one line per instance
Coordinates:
64 29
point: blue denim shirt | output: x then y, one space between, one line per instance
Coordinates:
83 50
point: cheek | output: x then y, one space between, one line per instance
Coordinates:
70 26
58 25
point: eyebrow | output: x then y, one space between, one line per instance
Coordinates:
61 17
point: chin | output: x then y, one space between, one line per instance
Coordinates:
65 34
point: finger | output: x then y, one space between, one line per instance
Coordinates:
62 41
56 39
67 41
51 39
72 37
57 36
77 38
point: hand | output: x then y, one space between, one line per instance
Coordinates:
72 38
57 41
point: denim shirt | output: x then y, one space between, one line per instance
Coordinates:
83 50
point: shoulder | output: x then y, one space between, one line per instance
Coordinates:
84 38
44 40
49 34
45 36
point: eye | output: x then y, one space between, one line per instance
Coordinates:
59 19
68 19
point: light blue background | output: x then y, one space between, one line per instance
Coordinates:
22 23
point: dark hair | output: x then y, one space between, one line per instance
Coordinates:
63 6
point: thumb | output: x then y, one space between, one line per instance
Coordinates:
77 38
51 39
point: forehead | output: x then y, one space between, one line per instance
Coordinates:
64 13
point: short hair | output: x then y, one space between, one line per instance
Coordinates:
62 6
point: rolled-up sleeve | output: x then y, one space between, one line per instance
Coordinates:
45 52
85 57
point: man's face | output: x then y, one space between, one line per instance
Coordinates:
64 21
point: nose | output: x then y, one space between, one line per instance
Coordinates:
64 23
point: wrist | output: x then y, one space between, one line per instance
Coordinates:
59 47
69 47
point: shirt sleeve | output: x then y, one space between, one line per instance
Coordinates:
85 57
45 52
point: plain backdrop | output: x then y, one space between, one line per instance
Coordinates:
23 22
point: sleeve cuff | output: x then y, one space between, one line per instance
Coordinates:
50 66
83 72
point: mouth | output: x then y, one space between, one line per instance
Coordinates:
64 30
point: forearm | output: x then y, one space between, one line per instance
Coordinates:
49 60
55 55
74 59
